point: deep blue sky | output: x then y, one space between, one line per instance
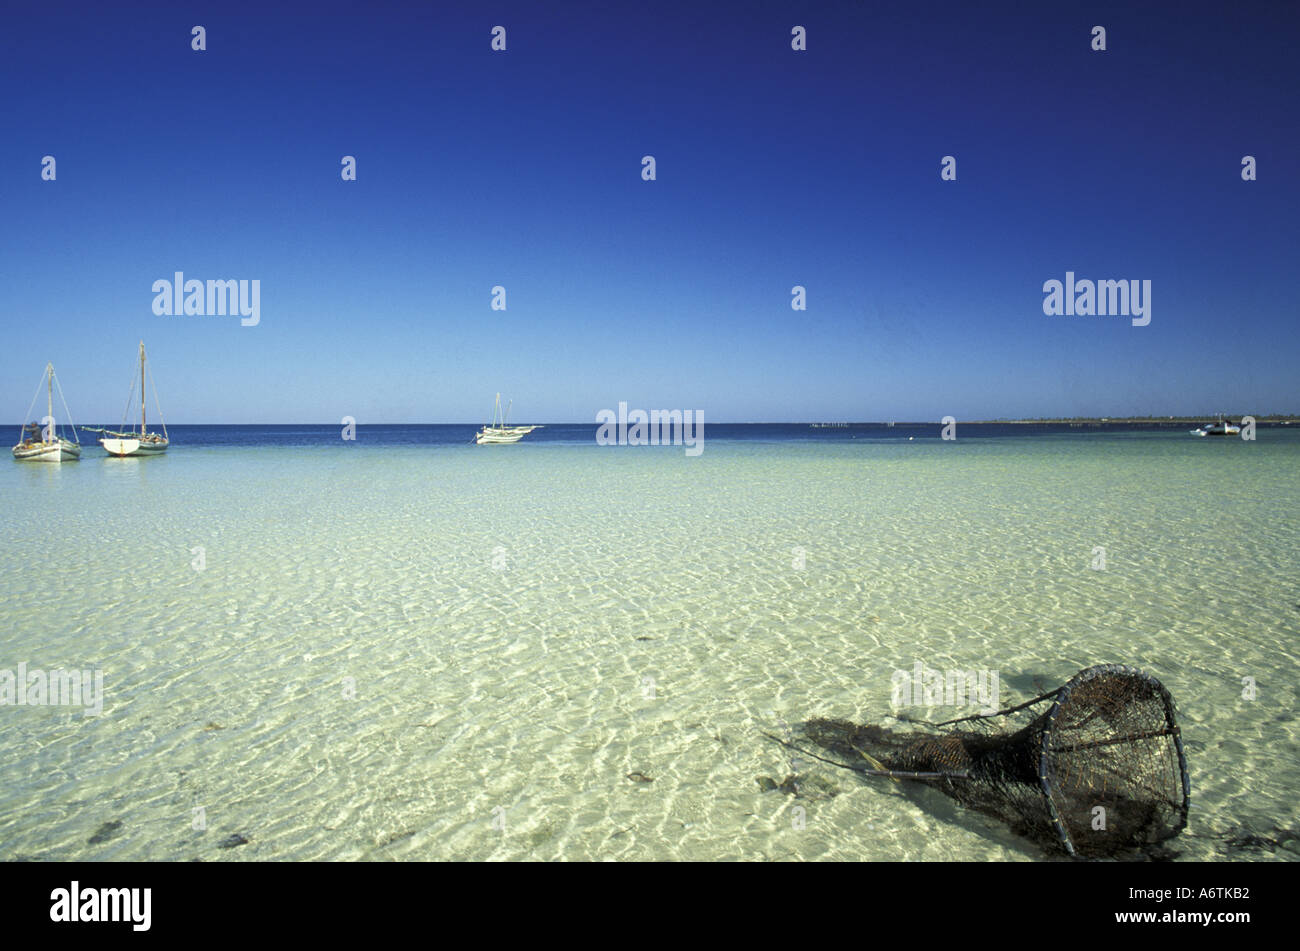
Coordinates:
775 168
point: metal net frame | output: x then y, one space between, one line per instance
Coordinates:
1095 767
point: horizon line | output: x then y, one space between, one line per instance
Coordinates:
1271 417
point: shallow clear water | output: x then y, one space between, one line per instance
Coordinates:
527 625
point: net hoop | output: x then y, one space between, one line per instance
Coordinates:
1045 750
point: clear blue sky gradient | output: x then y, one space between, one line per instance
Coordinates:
775 168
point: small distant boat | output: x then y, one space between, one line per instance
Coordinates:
497 432
41 442
132 443
1220 428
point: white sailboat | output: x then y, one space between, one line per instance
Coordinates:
41 442
132 443
497 432
1221 428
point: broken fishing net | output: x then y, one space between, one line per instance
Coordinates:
1095 768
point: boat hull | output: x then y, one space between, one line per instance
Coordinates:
120 447
62 451
497 439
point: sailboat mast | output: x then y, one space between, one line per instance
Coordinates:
49 395
141 389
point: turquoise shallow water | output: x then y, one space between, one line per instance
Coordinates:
525 626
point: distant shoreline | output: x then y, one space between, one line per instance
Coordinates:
1143 420
1270 419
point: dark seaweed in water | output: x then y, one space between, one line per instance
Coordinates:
1095 768
105 832
1247 841
801 787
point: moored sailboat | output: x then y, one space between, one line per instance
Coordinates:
41 442
1220 428
131 443
497 432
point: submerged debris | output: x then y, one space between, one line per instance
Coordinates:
640 777
230 841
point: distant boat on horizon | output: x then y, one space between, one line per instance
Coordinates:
122 443
1220 428
41 442
497 433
